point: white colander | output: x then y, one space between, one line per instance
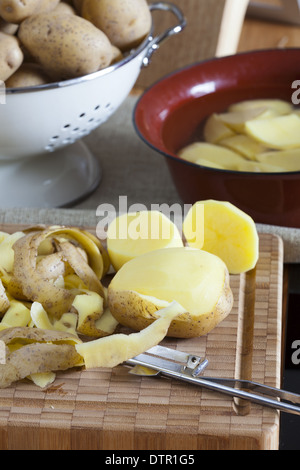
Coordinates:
42 160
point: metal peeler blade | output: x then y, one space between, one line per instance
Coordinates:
169 362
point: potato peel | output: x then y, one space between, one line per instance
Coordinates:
116 349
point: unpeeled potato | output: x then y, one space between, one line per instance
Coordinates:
126 23
65 45
11 55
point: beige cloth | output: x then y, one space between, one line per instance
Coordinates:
132 169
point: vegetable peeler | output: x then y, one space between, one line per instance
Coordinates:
167 362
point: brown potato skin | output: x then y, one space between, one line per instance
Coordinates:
125 22
131 311
11 55
65 45
28 74
16 11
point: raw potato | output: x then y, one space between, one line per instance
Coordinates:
197 280
280 132
126 22
277 106
114 350
136 233
287 160
16 11
228 233
11 55
215 130
8 28
220 157
65 45
254 131
28 75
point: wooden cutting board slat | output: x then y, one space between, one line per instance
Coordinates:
112 409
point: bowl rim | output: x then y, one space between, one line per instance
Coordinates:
183 69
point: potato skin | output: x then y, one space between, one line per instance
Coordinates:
11 55
137 313
125 22
15 11
65 45
28 74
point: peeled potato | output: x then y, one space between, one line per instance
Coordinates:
278 106
136 233
280 132
215 130
287 160
229 233
195 279
244 145
236 120
199 152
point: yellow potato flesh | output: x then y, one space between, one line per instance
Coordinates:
280 132
204 152
277 106
192 278
244 145
133 234
287 160
113 350
215 130
229 233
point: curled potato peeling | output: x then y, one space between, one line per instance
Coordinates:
113 350
34 351
29 282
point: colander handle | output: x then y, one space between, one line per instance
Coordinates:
155 43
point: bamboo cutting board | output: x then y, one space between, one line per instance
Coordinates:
114 410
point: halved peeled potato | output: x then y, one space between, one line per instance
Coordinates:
227 232
197 280
136 233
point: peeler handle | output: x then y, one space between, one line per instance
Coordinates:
155 42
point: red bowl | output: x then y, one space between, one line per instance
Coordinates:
170 113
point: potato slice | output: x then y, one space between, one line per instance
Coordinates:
136 233
18 314
244 145
215 130
280 132
4 301
277 106
229 233
287 160
217 155
195 279
114 350
236 121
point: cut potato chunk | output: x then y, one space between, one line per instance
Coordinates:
229 233
114 350
277 106
215 130
236 121
197 280
136 233
199 152
244 145
287 160
280 132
